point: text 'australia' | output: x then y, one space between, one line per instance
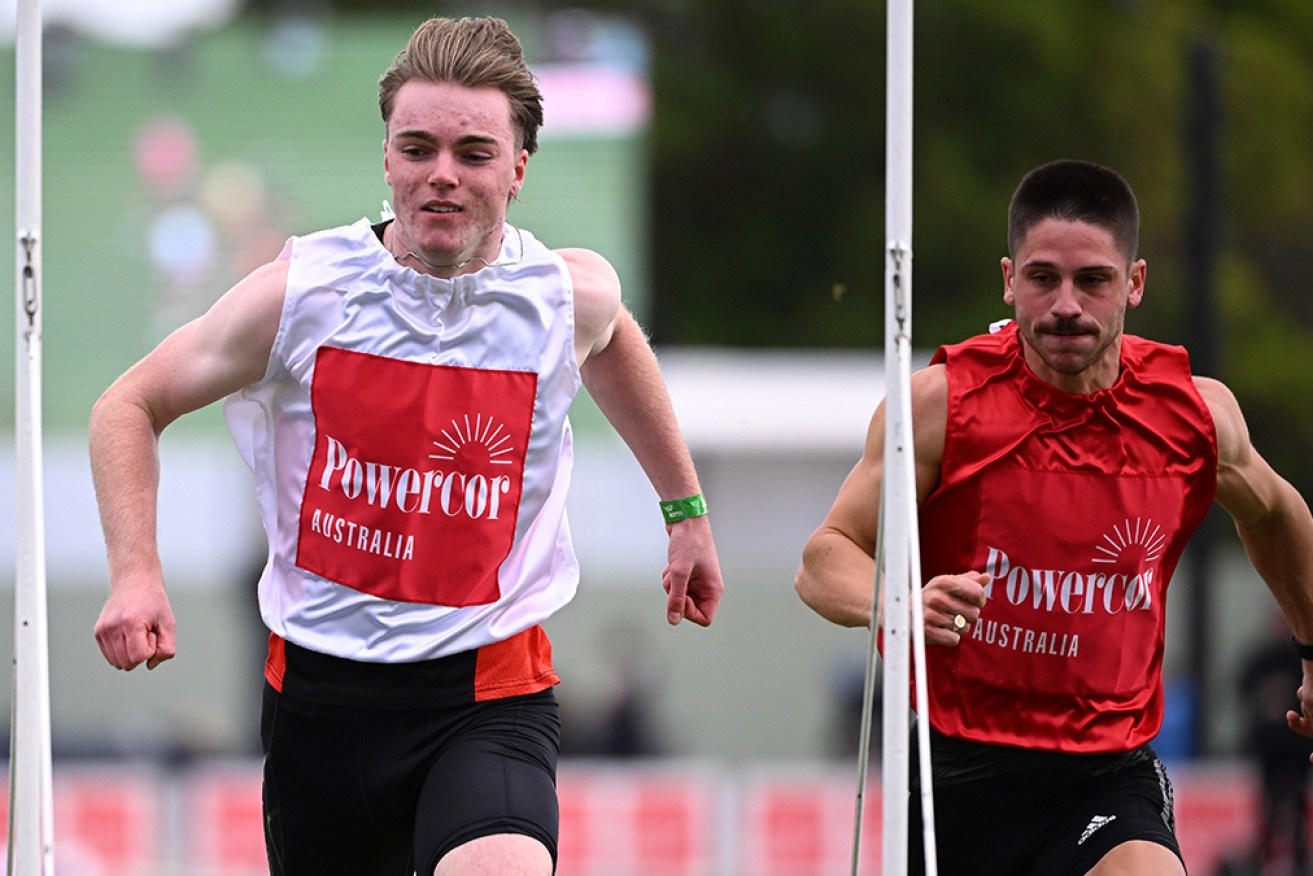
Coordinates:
362 538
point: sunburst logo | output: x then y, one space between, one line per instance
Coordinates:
1144 535
474 443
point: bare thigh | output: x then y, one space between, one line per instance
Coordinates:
499 855
1138 858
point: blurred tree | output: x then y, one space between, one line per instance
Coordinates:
1268 151
769 139
768 156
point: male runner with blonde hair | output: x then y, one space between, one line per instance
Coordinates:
400 391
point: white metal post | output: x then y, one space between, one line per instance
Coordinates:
31 819
904 631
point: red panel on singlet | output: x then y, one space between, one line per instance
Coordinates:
414 486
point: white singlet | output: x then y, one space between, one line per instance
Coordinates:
411 449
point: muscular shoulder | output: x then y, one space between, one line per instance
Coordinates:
1247 487
252 309
930 387
929 403
219 352
268 282
1228 421
929 422
596 298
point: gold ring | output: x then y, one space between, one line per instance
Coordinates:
959 622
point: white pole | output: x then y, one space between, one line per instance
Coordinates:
31 818
897 582
903 612
868 695
897 614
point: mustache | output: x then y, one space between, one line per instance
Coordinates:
1065 326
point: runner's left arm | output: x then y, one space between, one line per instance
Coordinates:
621 373
1274 525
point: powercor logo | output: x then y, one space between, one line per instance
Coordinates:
1127 586
415 481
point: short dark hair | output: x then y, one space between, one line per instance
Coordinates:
1075 191
476 53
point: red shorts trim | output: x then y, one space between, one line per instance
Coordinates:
519 665
275 664
516 666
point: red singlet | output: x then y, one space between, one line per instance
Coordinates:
1079 506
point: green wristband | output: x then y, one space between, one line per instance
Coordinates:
681 509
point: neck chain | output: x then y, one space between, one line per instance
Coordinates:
411 254
519 242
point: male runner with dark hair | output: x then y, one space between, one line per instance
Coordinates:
1061 466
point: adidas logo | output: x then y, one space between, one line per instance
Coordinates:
1096 822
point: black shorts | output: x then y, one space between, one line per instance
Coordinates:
383 791
1046 822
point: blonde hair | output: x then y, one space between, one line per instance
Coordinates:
473 52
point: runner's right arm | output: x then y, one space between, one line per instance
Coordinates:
215 354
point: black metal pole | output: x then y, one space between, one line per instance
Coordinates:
1202 239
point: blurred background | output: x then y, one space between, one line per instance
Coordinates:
727 157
